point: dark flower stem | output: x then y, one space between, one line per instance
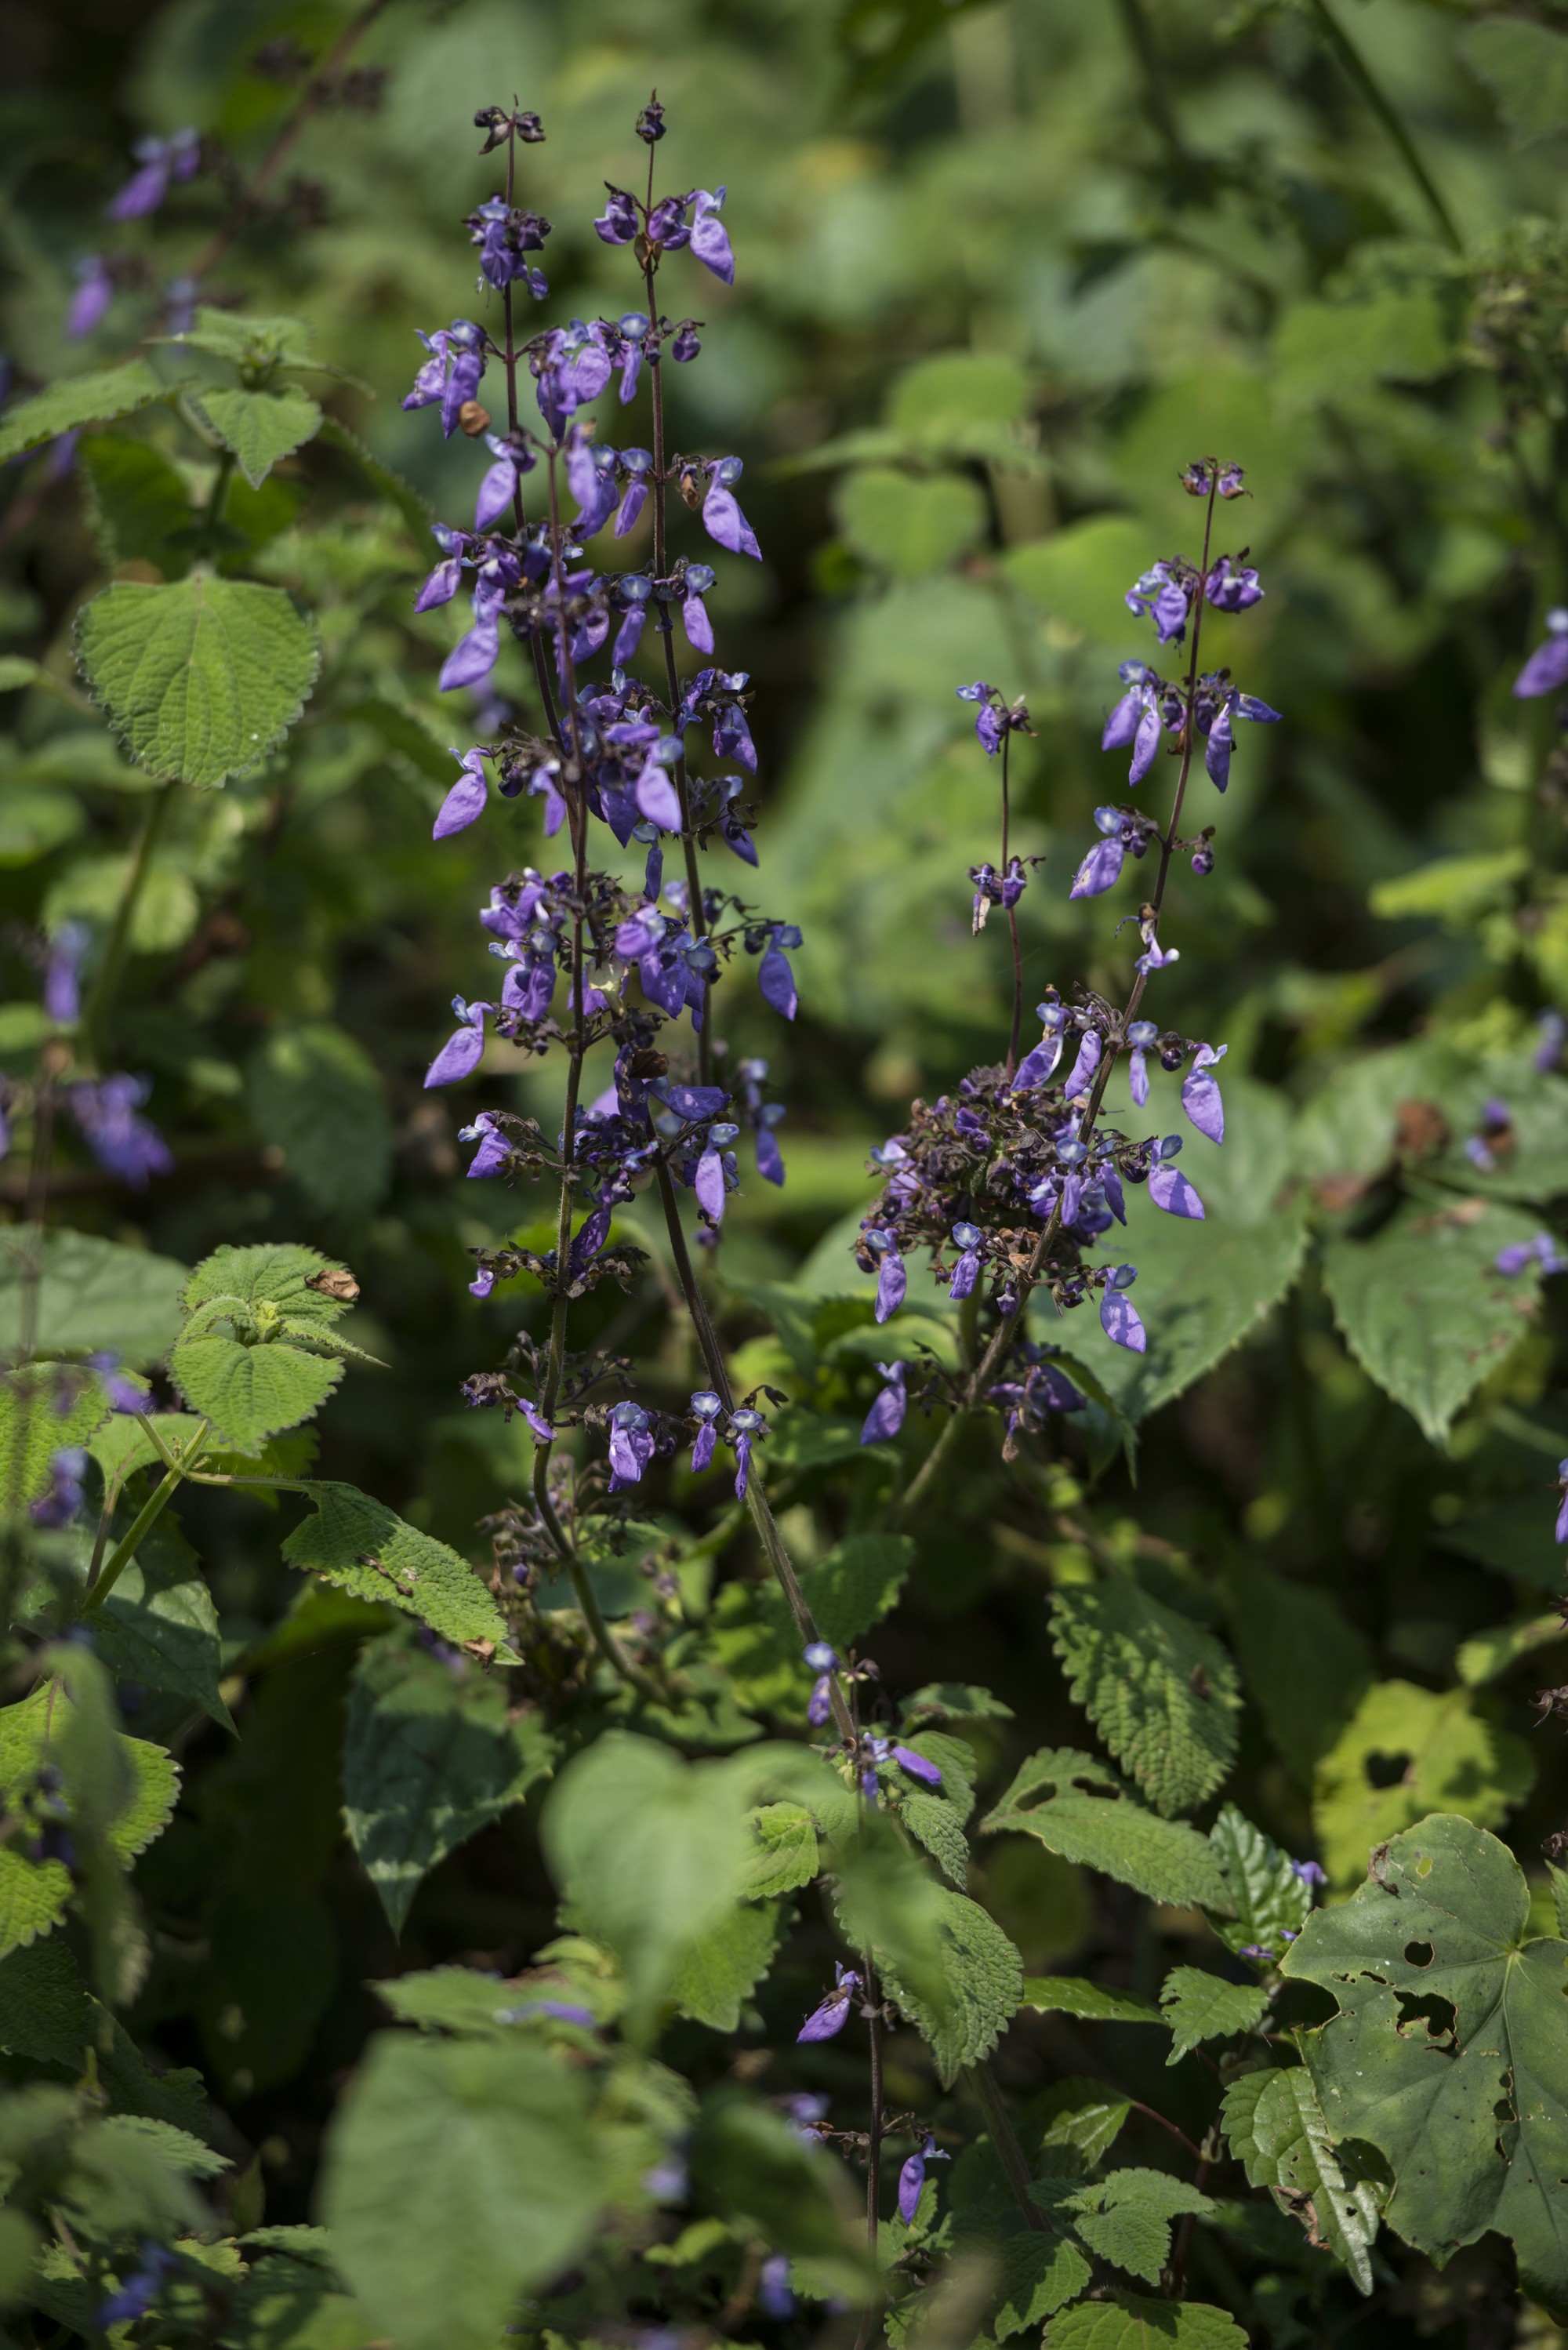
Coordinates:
1012 914
1002 1337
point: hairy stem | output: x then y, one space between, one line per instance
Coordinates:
147 1516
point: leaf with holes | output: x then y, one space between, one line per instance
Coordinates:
1199 2006
1407 1751
201 677
363 1547
1274 2124
260 428
1080 1808
1448 2053
1161 1692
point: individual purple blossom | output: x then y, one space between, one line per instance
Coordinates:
721 516
829 2018
1081 1073
95 290
1232 586
746 1426
616 225
1547 667
710 238
1159 596
161 161
919 1766
774 977
698 577
707 1407
824 1662
1562 1529
912 2180
127 1145
1135 720
966 1272
1038 1065
141 2289
1140 1037
62 974
1542 1249
1221 744
1100 869
630 1445
465 802
499 486
464 1048
1118 1316
886 1417
60 1505
1200 1093
1169 1188
1308 1872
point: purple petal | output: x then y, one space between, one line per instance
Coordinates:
694 620
1201 1095
1119 1321
1545 671
1035 1067
777 981
911 2180
1562 1533
495 492
708 1185
1081 1073
658 798
725 522
1123 722
827 2020
471 659
628 634
458 1057
1146 744
710 238
631 505
770 1158
892 1281
1099 869
464 804
441 586
1169 1190
916 1765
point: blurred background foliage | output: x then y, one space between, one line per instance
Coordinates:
1002 270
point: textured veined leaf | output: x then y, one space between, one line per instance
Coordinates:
849 1590
201 677
280 1273
1071 1995
459 2174
1131 2323
79 399
722 1970
1424 1309
429 1759
1200 2006
1107 1829
259 427
1407 1751
935 1823
159 1628
785 1854
44 1409
1039 2272
363 1547
1161 1692
91 1293
249 1393
1274 2124
255 341
33 1893
1125 2218
983 1981
1449 2053
1270 1900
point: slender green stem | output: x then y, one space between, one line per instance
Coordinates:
1358 71
103 987
151 1512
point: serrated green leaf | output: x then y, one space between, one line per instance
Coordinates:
250 1393
91 1293
1081 2114
1407 1751
1039 2272
141 508
981 1982
721 1971
1125 2218
785 1853
45 1408
1200 2006
1162 1692
1131 2323
1270 1902
853 1586
49 2015
1071 1995
79 399
118 1788
280 1273
429 1759
202 677
1449 2053
952 1701
1275 2126
490 2144
1107 1829
362 1547
934 1822
1525 66
159 1625
1424 1309
255 341
260 428
318 1096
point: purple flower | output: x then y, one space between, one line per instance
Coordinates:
1100 869
1038 1065
1551 1030
1140 1037
138 2291
1308 1872
129 1146
1118 1316
1221 744
616 225
1169 1188
775 976
161 159
694 617
827 2019
886 1417
62 974
721 517
916 1765
59 1505
892 1279
707 1406
464 1048
466 800
1081 1073
710 239
745 1427
1134 720
1157 596
1542 1249
1232 586
966 1273
474 657
1561 1535
630 1445
1547 667
709 1180
657 798
912 2179
499 486
94 289
1200 1094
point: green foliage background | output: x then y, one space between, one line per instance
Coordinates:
1002 270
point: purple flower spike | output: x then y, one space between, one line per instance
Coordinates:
463 1049
886 1417
825 2022
466 800
1169 1190
1119 1316
775 976
1547 667
912 2180
1200 1094
710 238
916 1765
892 1281
1099 870
725 524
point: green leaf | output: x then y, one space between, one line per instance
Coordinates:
159 1625
981 1984
1269 1901
283 1274
907 525
44 1410
363 1547
1162 1692
1079 575
952 1701
1039 2272
1423 1308
35 824
1490 1653
1200 2006
1449 2053
429 1759
1125 2218
1131 2323
719 1972
92 888
318 1096
119 1790
140 506
91 1293
849 1590
49 2015
953 389
1082 2113
1071 1995
1525 66
260 427
1275 2126
935 1824
77 401
201 677
255 342
1324 350
460 2174
748 2162
1407 1751
251 1392
785 1854
1303 1664
1107 1829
